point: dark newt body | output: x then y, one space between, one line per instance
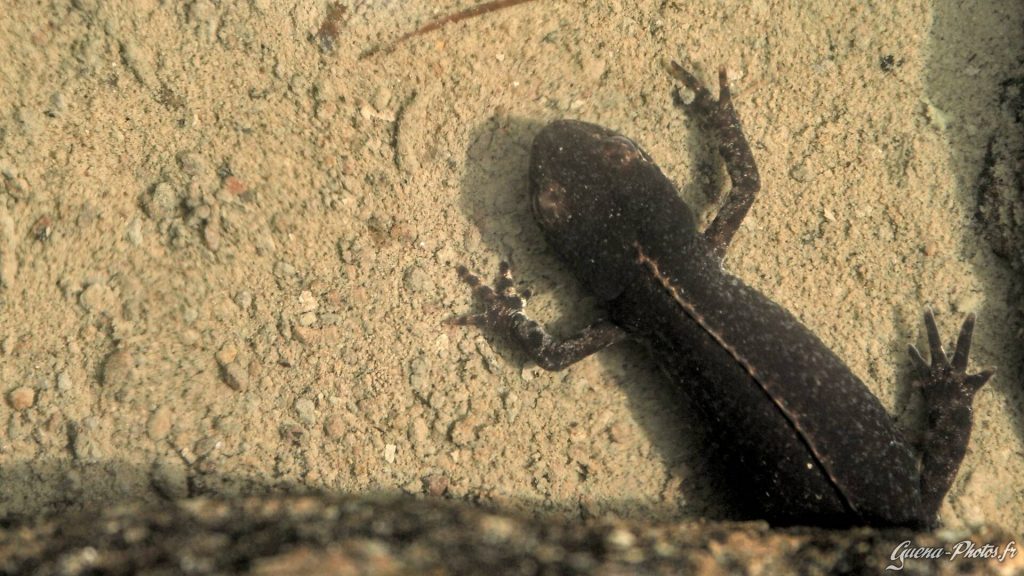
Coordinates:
802 440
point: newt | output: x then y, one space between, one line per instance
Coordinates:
802 441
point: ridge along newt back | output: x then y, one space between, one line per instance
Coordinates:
801 440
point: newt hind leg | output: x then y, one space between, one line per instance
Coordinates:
720 117
948 392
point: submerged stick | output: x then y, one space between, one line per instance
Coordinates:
477 10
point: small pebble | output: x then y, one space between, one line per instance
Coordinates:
22 398
202 212
390 450
306 335
417 280
306 411
235 376
99 299
134 232
464 431
418 432
87 215
170 479
227 354
437 484
162 202
307 302
243 299
800 173
211 235
530 371
119 368
283 269
159 424
496 528
64 383
58 104
85 444
419 376
382 98
334 427
192 163
620 539
190 336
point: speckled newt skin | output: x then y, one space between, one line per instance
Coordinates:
799 438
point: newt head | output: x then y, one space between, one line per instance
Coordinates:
597 194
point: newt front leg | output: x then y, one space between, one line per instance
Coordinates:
720 118
504 313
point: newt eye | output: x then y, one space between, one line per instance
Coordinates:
550 203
